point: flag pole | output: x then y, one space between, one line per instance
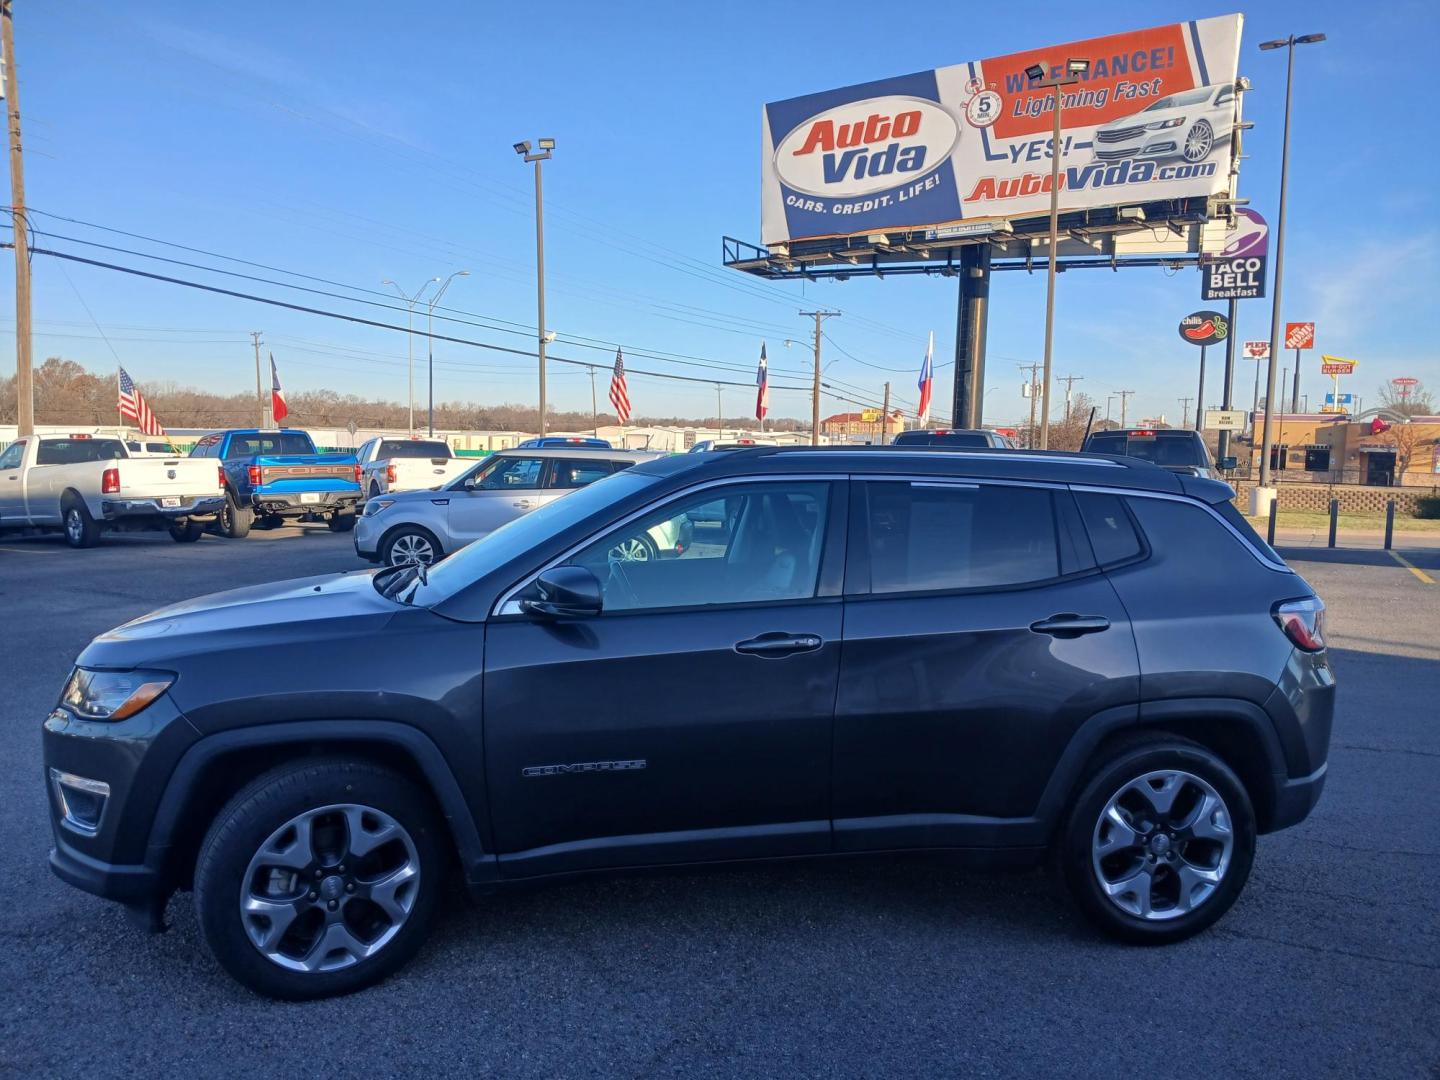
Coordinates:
119 416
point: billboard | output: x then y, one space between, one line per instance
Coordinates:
1150 119
1299 335
1238 272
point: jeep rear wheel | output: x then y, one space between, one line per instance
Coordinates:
1159 842
319 878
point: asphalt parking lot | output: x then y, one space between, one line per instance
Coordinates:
1329 965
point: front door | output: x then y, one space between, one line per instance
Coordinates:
12 491
501 490
1380 468
978 637
691 720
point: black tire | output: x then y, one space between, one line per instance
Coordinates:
267 804
1127 762
234 521
81 530
374 490
269 521
187 533
341 521
398 536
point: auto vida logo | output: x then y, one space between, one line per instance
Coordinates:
866 146
583 767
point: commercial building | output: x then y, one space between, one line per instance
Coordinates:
1382 450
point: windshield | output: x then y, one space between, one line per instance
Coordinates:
412 448
1181 448
518 536
1179 101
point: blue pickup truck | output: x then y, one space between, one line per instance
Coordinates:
273 475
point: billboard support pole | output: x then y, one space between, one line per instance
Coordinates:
1295 394
1200 394
971 323
1228 400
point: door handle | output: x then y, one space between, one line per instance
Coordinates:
523 504
778 645
1068 625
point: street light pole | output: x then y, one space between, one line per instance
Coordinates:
815 392
410 302
1075 69
1260 500
430 345
546 146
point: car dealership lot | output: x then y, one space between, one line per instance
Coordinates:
1328 964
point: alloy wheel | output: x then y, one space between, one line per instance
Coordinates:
329 888
74 525
411 548
1162 845
631 550
1198 141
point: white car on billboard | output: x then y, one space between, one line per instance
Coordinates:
1186 125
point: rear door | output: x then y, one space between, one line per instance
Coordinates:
978 637
503 489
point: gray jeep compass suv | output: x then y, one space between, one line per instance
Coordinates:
993 653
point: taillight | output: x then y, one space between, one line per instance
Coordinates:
255 480
1303 622
358 471
389 473
110 482
221 470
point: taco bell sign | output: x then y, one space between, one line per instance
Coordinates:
1238 272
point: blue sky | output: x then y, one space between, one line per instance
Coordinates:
340 141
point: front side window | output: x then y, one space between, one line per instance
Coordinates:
929 536
10 459
509 474
735 545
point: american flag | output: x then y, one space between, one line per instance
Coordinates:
132 406
619 392
762 387
926 382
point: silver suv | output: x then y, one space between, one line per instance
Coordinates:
425 526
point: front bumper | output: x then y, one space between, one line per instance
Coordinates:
368 531
136 758
189 506
1162 145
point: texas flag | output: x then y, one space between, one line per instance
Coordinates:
927 381
762 387
278 409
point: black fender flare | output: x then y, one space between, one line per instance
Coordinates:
1159 715
480 868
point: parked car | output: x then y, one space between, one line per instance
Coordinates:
705 446
425 526
1186 125
274 475
954 437
562 442
84 485
390 464
1177 449
995 653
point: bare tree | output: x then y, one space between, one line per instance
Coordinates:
1418 402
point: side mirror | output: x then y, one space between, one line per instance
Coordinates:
1228 464
565 592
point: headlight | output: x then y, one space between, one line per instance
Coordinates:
1166 123
112 695
374 506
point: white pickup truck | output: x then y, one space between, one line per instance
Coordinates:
85 484
389 463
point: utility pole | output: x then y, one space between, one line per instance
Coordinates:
259 393
594 408
719 415
24 366
1185 411
1031 392
1123 395
1108 400
885 417
1069 381
815 391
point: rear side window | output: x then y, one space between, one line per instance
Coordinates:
925 536
1112 533
1237 521
572 473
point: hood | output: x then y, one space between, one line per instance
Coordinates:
275 614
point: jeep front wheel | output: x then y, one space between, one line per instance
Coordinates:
319 878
